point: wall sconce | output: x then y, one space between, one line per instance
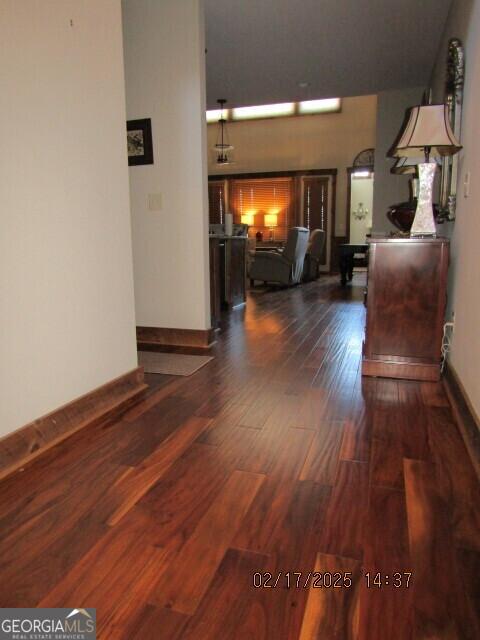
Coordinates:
360 212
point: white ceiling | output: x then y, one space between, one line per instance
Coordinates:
258 51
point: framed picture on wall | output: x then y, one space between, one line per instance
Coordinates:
139 141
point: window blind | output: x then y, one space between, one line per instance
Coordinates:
261 197
216 201
315 206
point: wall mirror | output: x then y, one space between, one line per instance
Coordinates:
453 98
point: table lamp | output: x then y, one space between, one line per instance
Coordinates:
426 129
247 218
401 215
271 220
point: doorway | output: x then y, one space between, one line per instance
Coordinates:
359 204
317 197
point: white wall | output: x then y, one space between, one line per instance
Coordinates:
361 191
66 290
328 141
464 275
165 81
390 188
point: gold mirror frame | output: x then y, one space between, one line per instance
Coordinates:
453 98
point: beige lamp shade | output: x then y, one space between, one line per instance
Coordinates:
247 218
271 219
426 126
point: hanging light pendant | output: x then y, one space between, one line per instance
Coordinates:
222 145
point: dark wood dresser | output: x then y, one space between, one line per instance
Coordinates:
406 299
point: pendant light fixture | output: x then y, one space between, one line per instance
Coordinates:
222 145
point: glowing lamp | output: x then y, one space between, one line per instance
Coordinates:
247 218
271 220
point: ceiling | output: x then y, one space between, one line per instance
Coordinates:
259 51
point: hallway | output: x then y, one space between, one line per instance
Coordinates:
275 458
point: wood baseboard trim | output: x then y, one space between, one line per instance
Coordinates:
401 370
171 348
197 338
467 420
28 442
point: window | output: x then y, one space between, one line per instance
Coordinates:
213 115
216 201
266 200
319 106
264 111
307 107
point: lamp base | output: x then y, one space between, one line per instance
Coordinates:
424 224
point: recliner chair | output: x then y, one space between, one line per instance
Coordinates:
314 254
283 268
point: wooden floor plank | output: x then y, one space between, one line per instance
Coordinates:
226 602
271 503
33 546
25 582
458 483
152 400
333 612
115 575
387 450
413 414
181 588
258 412
223 423
343 534
152 429
136 481
183 495
468 563
386 611
322 459
359 423
150 623
267 447
293 550
436 611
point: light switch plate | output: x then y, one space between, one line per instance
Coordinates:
154 201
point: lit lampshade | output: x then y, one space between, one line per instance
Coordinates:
247 218
426 127
271 219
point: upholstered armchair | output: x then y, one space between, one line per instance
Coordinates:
314 254
284 267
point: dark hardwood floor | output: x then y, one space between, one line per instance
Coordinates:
275 458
